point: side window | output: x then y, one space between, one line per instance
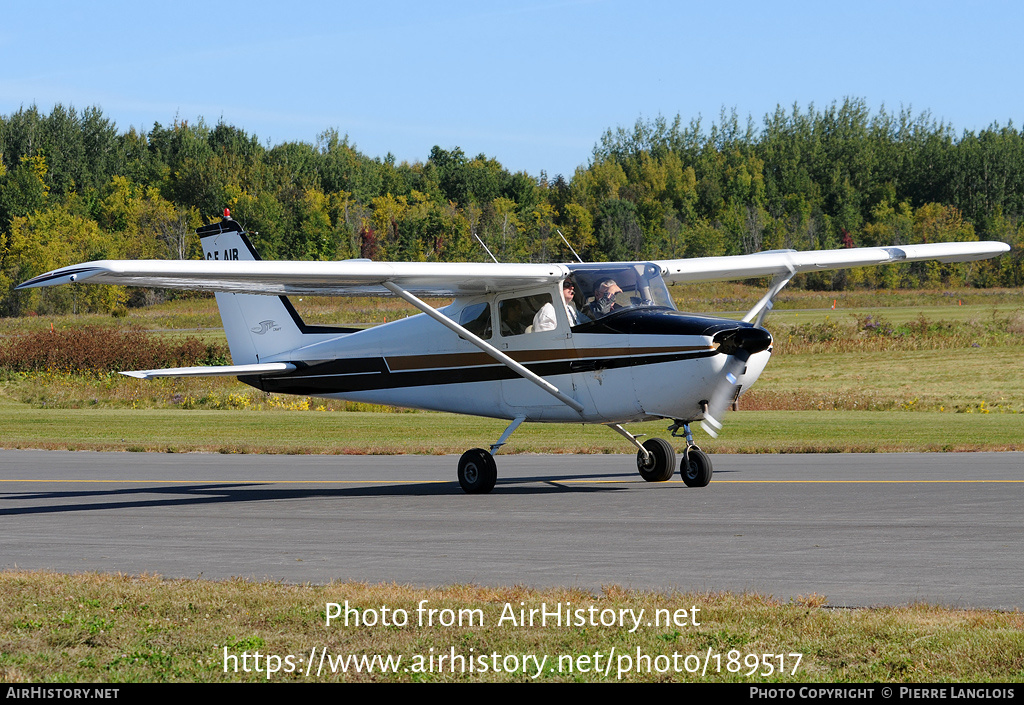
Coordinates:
519 315
477 320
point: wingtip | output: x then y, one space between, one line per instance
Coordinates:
65 275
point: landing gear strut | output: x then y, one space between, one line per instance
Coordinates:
478 472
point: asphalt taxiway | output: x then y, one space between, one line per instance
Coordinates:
865 529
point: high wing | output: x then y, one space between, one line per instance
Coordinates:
366 278
781 262
345 278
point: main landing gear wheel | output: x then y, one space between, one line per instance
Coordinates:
477 471
695 468
661 464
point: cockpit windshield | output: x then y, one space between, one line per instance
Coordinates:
603 289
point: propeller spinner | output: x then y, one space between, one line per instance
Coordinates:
738 344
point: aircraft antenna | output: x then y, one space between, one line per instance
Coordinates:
568 245
486 248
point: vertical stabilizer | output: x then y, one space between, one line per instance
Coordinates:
257 327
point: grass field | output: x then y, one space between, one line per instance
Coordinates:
952 355
360 433
932 373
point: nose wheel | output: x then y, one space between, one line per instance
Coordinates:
695 467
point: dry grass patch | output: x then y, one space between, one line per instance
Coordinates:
105 628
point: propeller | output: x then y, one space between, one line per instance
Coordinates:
737 344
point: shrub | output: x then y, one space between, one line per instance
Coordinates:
101 350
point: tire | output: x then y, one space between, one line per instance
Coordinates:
477 471
695 468
662 464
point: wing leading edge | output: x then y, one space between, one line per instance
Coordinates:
281 278
793 262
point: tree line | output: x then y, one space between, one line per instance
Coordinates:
74 188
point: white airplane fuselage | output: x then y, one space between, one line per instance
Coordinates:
656 363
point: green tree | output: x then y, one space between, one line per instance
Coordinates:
704 240
47 240
618 234
147 225
23 190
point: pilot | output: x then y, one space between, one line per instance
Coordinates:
545 318
604 299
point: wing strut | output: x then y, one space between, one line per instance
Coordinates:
485 346
767 302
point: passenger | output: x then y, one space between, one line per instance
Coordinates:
512 317
545 318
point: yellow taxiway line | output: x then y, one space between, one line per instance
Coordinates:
551 480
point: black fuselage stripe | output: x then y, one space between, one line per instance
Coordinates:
372 374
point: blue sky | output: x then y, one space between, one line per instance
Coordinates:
533 83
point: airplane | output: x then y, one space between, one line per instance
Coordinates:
584 343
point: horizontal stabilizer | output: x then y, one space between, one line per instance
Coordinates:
214 370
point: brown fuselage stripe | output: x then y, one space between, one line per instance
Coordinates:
425 362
